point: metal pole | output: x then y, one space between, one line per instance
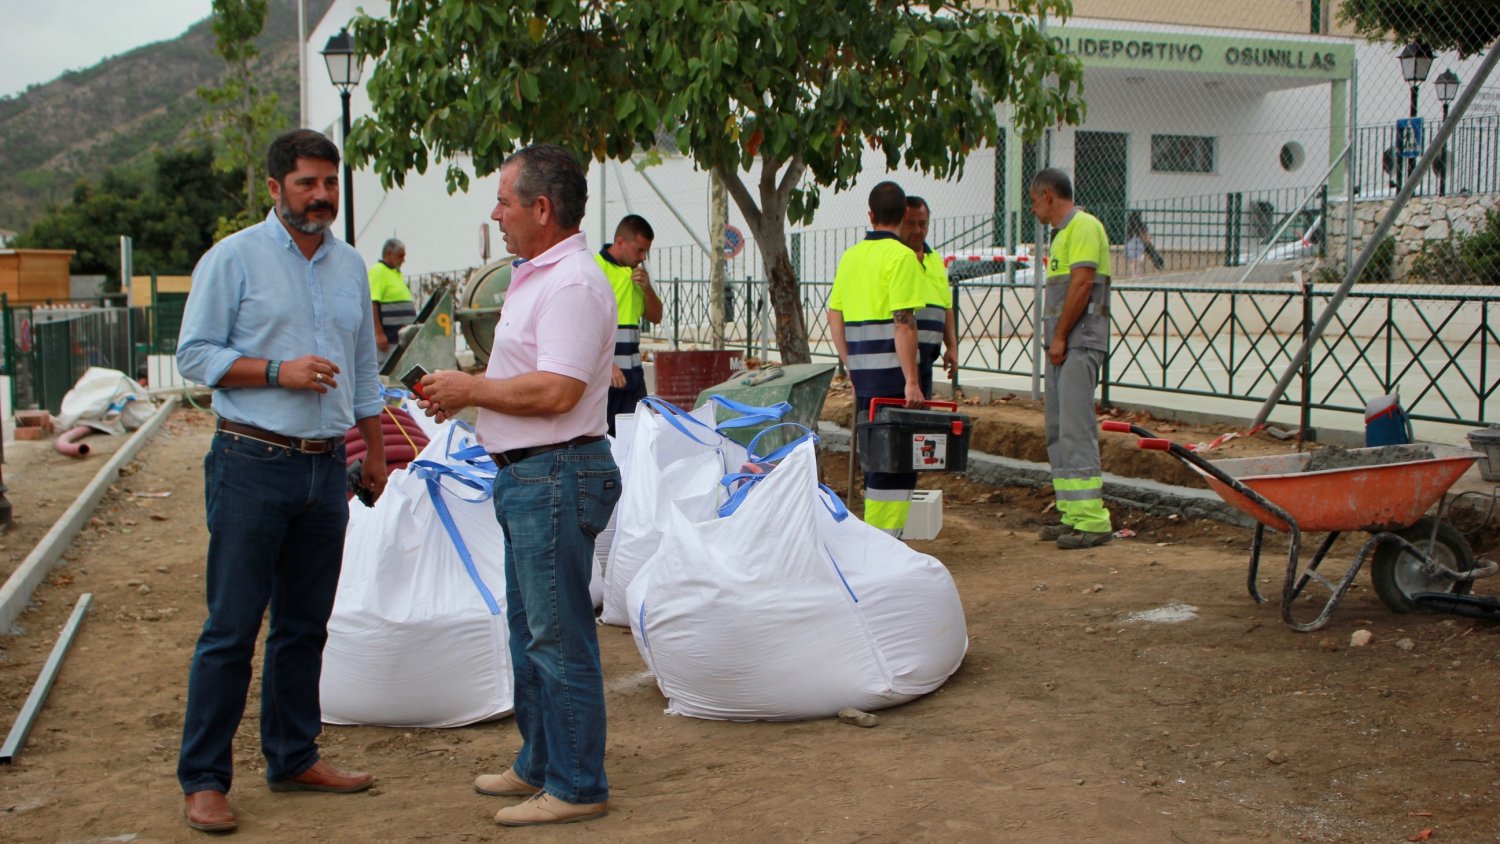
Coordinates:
348 176
1039 343
1386 223
33 706
1443 170
10 369
1349 160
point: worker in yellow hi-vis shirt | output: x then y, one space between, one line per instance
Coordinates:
872 319
1075 327
623 262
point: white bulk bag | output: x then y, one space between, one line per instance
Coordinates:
105 400
780 611
418 635
673 457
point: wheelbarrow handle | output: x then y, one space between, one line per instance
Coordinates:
1156 444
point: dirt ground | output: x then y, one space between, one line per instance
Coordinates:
1069 721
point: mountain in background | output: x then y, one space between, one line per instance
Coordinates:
123 110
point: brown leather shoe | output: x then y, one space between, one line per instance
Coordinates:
546 809
209 811
508 784
324 777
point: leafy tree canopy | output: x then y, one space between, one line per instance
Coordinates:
797 88
247 117
1467 26
170 214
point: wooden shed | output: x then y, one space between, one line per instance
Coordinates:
34 276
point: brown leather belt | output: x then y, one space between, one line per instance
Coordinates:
516 455
305 446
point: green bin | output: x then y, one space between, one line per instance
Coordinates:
802 385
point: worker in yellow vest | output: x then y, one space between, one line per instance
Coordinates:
1075 329
872 307
395 307
623 262
937 335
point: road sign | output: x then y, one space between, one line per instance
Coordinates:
734 242
1409 137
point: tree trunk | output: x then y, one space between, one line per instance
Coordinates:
791 328
718 219
767 222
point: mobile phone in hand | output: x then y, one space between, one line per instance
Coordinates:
413 380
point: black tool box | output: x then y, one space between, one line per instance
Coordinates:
898 439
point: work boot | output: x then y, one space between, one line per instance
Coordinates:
1051 533
1083 539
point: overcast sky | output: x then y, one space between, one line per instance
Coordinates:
41 39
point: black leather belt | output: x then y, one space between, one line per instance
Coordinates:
516 455
305 446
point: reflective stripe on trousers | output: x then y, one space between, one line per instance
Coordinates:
887 494
1073 440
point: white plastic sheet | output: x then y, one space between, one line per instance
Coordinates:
414 641
780 611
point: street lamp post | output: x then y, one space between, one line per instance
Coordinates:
1416 62
1447 85
344 71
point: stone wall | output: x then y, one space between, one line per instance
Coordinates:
1425 218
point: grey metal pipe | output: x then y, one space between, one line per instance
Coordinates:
1367 253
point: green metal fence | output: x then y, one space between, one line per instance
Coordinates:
48 347
1437 349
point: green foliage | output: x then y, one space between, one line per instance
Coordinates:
1468 26
169 213
798 88
1380 270
246 118
1382 266
1462 259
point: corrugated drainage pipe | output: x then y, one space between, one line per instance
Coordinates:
68 443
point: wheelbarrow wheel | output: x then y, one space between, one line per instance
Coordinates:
1397 575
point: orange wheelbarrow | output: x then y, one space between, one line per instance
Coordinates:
1419 562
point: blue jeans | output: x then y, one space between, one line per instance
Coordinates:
550 508
276 521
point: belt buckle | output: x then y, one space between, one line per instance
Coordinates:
310 446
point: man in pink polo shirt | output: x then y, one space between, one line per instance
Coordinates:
541 415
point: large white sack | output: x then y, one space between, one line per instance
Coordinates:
666 467
413 641
105 400
781 612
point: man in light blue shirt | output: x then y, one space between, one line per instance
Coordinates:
279 323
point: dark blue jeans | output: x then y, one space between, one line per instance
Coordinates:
550 508
276 521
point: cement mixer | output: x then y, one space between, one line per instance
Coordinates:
472 308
